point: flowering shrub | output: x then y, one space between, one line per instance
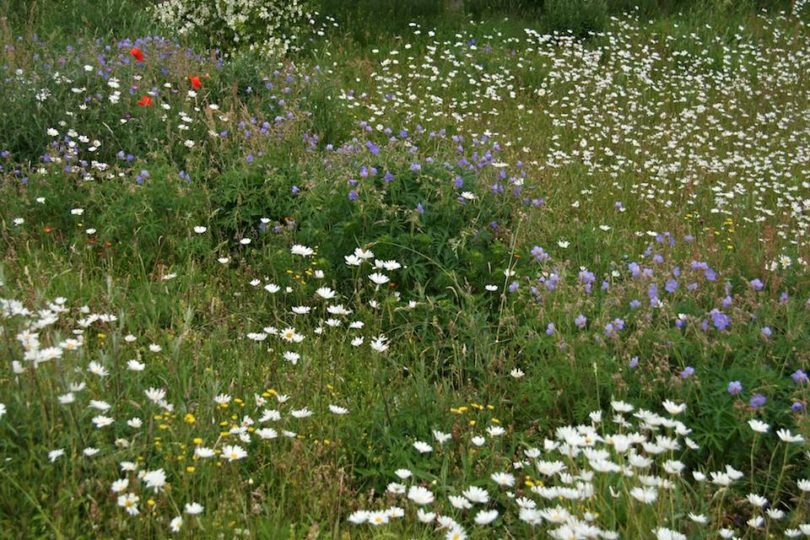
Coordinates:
268 27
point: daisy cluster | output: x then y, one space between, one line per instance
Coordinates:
629 467
655 122
324 312
103 414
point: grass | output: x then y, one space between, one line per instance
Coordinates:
562 229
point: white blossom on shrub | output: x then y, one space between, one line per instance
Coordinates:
268 27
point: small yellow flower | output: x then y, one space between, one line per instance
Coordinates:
151 502
190 469
197 440
189 418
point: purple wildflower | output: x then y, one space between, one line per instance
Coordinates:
539 254
766 331
757 401
734 388
719 319
587 278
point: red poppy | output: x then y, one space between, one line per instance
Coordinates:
145 101
195 82
137 53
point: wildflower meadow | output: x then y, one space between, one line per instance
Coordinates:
424 269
